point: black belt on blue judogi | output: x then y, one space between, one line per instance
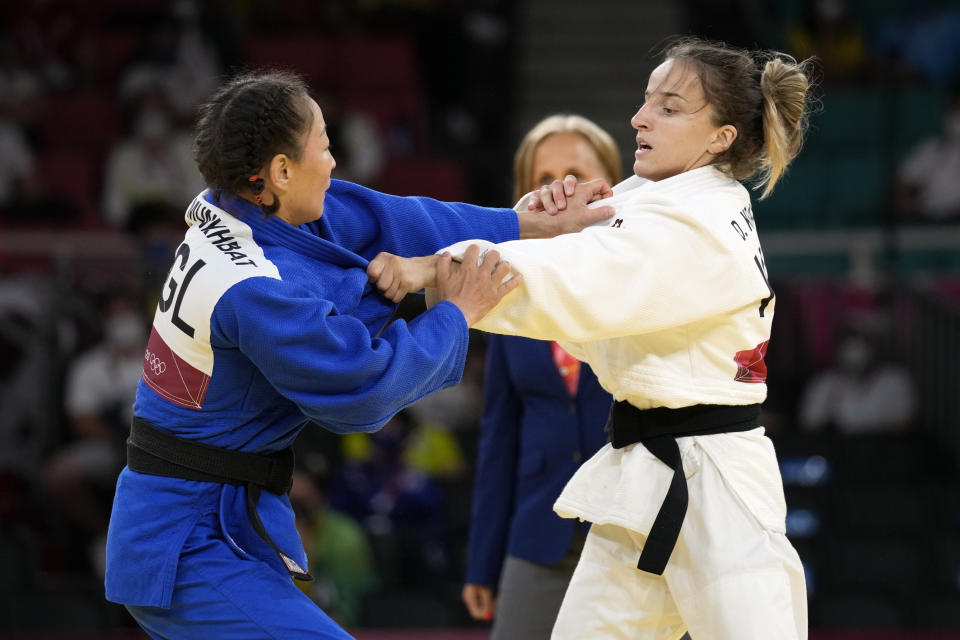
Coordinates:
657 430
157 452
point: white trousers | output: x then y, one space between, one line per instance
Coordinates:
732 576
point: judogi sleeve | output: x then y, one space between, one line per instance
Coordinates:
328 364
666 270
368 222
495 483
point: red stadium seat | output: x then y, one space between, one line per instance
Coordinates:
379 62
373 75
86 120
113 51
141 7
317 58
69 175
440 179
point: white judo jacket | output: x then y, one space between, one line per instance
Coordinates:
670 304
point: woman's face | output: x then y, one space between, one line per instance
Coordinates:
675 126
563 154
309 177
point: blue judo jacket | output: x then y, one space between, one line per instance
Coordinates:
263 327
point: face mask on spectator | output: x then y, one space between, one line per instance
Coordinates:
855 355
124 331
152 126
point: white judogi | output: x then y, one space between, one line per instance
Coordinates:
669 303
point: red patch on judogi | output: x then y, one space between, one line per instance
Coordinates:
171 376
750 365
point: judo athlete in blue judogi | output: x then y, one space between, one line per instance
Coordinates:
267 322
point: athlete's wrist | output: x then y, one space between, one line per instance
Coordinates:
537 224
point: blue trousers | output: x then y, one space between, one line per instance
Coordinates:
219 594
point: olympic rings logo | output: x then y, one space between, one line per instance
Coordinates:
157 365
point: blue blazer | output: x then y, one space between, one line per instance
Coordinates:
533 437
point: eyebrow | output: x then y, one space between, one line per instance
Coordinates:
666 94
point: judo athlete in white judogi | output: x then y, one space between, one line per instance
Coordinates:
670 304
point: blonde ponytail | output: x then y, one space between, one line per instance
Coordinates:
784 84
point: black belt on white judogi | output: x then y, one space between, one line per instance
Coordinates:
657 430
158 452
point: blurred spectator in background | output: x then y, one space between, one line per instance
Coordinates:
472 41
21 88
176 58
55 38
16 163
828 31
400 506
928 181
457 408
341 558
864 392
100 388
544 413
20 103
433 449
360 150
924 44
151 173
27 362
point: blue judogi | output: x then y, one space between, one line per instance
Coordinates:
263 327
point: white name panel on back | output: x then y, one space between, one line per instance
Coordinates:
217 252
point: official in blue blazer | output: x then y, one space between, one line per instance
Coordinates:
544 414
534 436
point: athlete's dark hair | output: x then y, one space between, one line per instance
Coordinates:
763 94
246 122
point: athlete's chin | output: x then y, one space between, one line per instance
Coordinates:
652 172
321 199
643 170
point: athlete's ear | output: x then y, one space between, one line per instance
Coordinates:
279 172
722 139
